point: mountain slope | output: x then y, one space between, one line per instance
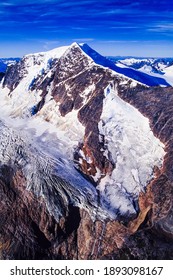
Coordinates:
73 88
4 63
155 67
128 72
71 147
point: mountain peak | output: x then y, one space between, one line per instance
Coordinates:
54 53
128 72
77 157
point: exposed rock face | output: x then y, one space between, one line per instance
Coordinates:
5 63
30 232
1 75
62 196
23 220
14 75
157 104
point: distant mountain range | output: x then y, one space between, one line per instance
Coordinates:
4 63
86 157
157 67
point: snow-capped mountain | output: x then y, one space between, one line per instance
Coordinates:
5 62
74 145
156 67
63 86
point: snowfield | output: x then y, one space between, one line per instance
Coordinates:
132 147
157 68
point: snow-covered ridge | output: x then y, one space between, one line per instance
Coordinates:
39 63
31 67
5 62
55 53
128 72
155 67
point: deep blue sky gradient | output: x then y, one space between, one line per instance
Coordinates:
137 28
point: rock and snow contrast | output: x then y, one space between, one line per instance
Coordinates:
79 151
4 63
132 148
156 67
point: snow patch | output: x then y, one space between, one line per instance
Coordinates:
55 53
68 129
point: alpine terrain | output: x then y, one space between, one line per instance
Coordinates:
4 63
86 157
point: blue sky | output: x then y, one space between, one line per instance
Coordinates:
137 28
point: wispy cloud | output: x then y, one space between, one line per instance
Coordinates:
50 44
79 28
6 4
124 27
120 11
104 21
118 41
162 28
83 39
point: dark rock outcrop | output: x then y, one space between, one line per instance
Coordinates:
1 75
14 75
157 105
